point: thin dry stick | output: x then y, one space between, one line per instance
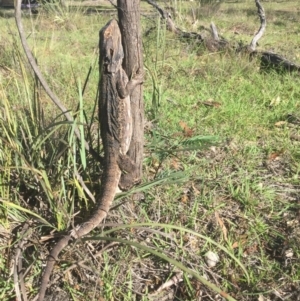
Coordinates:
18 268
171 26
263 25
16 281
165 15
81 262
214 31
174 280
53 97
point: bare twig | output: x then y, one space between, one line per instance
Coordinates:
16 284
80 263
110 1
214 31
175 280
166 16
18 267
263 24
219 43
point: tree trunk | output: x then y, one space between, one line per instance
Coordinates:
129 21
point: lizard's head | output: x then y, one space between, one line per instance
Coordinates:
111 49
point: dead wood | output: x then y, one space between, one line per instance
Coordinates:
130 27
269 60
19 284
214 31
213 43
263 25
273 61
175 280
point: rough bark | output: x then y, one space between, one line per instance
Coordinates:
273 61
129 22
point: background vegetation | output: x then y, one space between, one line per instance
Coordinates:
221 166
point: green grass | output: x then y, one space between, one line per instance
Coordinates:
223 177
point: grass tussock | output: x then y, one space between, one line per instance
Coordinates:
221 165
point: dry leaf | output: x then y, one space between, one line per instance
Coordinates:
221 224
235 245
275 101
188 132
280 123
295 137
175 163
211 103
195 190
260 298
275 156
155 163
250 250
184 198
211 259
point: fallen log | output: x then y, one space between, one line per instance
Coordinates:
273 61
268 60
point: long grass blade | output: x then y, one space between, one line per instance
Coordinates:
172 261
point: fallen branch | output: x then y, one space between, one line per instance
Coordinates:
175 280
171 25
213 43
269 60
18 265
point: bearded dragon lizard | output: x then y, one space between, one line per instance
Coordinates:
116 132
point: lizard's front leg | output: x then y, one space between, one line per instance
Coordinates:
125 87
129 170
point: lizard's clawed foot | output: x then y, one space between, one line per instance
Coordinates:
137 79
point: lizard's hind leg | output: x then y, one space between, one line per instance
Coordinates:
129 176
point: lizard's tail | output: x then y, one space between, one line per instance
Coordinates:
110 181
